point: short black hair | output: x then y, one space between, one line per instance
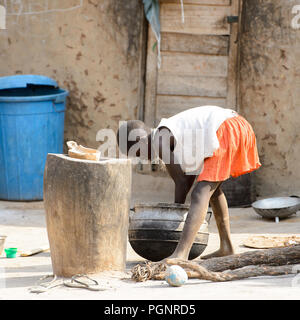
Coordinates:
131 125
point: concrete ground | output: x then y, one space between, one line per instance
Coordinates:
25 227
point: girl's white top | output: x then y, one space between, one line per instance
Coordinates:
195 133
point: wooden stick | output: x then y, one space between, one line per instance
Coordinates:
238 274
275 261
274 256
34 251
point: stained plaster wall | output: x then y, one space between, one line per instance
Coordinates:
95 50
92 48
270 91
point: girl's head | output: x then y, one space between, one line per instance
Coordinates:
131 132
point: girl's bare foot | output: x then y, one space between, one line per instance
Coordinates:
218 253
174 257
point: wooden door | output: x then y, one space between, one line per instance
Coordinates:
198 58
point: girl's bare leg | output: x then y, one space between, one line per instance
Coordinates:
219 205
198 209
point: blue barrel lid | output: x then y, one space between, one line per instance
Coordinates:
21 81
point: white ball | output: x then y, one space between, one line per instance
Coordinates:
176 276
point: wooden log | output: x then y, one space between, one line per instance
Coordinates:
202 273
271 257
87 206
275 261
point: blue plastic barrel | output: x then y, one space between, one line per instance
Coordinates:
32 110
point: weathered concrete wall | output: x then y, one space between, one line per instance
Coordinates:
270 91
92 48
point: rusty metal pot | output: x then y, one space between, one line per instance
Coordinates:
155 230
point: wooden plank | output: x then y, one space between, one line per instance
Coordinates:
198 19
143 38
193 43
31 252
191 73
194 64
192 86
232 95
168 106
151 81
202 2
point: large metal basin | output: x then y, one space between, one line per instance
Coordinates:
281 207
155 230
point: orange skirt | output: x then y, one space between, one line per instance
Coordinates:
237 154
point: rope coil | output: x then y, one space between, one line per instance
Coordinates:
147 271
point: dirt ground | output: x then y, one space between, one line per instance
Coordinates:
25 228
24 224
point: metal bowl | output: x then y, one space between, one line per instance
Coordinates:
281 207
155 230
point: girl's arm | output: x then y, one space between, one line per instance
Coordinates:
183 182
